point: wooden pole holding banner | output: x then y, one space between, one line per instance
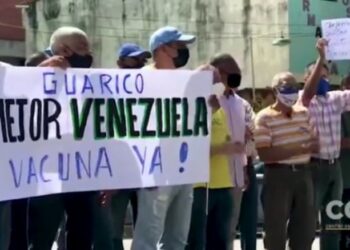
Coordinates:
252 67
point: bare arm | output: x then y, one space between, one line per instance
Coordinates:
55 61
310 88
311 85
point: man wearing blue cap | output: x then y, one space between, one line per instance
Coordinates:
164 213
169 48
132 56
111 222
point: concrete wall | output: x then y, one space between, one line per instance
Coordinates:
220 25
10 21
12 46
304 17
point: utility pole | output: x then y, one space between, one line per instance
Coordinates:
252 68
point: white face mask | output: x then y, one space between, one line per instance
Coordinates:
218 89
288 99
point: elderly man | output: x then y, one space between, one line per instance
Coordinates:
284 143
326 108
69 47
164 213
5 206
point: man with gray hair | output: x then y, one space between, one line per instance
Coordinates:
69 47
285 141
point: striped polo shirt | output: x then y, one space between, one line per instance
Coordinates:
325 113
273 129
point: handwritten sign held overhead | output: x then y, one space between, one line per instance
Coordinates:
96 129
337 33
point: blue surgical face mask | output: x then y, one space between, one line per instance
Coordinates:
323 87
288 95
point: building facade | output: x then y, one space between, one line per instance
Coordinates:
12 33
305 18
244 28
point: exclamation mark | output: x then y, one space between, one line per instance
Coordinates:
183 155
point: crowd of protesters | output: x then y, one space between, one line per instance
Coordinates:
302 137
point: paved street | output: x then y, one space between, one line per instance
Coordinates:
127 245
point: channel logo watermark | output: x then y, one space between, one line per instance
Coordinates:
338 212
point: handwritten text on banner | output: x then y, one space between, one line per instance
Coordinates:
337 33
96 129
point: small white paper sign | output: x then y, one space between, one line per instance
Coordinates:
337 33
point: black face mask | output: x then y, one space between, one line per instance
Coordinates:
138 66
78 61
135 66
182 57
234 80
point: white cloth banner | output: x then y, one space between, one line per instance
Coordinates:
98 129
337 33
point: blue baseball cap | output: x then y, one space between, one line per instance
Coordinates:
167 35
132 50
